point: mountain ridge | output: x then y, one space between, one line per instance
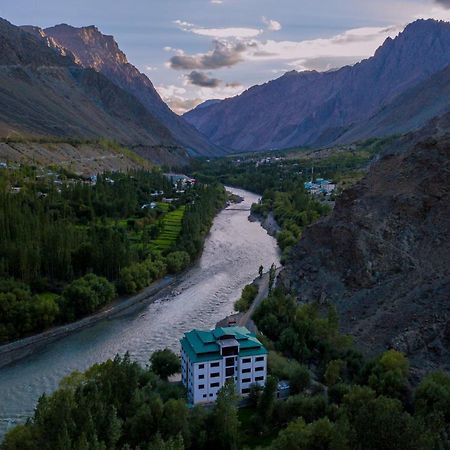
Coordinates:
44 93
313 108
93 49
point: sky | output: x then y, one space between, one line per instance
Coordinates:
194 50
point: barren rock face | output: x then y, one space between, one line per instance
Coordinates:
355 102
92 49
383 256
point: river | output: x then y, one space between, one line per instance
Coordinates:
234 249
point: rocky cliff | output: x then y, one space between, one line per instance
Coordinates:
44 93
317 109
92 49
383 256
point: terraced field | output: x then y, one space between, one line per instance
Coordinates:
172 222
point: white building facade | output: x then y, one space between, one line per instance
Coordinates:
210 358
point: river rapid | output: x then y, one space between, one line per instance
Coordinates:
234 249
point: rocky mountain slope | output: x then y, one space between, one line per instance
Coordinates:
44 93
383 256
317 109
92 49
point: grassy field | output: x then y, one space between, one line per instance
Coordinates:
171 229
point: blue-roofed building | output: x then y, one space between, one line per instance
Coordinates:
210 358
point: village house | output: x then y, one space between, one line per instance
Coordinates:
320 186
210 358
179 180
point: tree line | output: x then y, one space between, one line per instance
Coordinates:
69 246
338 399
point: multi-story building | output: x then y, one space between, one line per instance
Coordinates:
210 358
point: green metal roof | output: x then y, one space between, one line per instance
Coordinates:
201 345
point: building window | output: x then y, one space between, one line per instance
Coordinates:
246 370
205 395
201 386
229 362
215 364
259 358
201 366
259 378
229 371
211 395
259 369
215 385
215 375
246 360
200 377
246 380
245 391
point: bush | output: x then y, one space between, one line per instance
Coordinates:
177 261
86 295
249 294
165 363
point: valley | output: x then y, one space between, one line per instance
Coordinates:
162 205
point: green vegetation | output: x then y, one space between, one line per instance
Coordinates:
338 400
249 294
67 244
171 225
281 184
165 363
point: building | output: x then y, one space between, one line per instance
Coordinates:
210 358
320 186
180 180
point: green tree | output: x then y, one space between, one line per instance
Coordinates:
266 402
177 261
299 379
165 363
225 418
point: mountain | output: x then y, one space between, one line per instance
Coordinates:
92 49
317 109
383 255
45 94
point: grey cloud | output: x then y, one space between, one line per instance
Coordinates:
444 3
234 84
203 80
224 54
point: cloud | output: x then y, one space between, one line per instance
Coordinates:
323 54
216 2
175 97
224 54
202 80
234 85
444 3
236 32
272 25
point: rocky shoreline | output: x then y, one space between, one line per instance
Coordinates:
268 223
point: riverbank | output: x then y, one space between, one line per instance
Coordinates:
14 351
245 319
268 223
233 251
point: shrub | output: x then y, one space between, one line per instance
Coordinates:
177 261
86 295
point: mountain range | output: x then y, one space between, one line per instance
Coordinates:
92 49
400 88
48 91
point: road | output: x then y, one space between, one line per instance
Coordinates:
245 320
